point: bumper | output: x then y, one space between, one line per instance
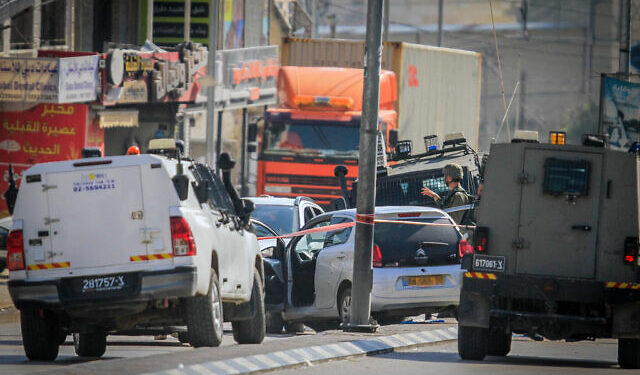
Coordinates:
390 292
556 308
177 282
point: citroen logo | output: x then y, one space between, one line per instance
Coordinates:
421 253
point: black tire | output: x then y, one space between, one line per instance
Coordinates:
344 305
629 353
3 265
252 331
296 327
498 342
472 343
90 344
183 337
204 316
274 322
39 334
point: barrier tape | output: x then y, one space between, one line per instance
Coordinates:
365 219
49 266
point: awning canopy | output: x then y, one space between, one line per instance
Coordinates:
118 119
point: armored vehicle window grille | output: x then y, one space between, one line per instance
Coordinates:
566 177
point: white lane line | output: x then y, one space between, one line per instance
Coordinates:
305 353
413 337
446 334
244 362
175 372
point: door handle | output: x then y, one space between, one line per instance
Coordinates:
582 227
340 256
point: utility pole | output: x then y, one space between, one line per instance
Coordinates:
440 16
211 68
187 20
150 20
385 32
360 308
625 35
314 18
37 26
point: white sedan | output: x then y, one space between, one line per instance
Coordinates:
416 268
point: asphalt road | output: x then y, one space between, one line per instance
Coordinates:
527 357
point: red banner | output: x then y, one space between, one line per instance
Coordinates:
48 132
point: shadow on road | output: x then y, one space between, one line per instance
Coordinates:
516 360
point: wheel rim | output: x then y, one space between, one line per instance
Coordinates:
217 309
345 308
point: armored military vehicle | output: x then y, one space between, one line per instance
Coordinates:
556 250
400 183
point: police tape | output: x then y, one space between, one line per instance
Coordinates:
370 219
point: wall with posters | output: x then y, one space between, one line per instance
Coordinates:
45 133
620 112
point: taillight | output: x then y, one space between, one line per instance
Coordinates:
15 251
377 256
181 237
464 248
481 239
630 249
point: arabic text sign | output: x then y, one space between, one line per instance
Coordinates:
78 79
48 132
48 80
620 112
29 80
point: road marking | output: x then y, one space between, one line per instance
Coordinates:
314 354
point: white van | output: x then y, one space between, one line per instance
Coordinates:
104 245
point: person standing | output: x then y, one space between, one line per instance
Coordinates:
456 196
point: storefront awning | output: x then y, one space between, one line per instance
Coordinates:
118 119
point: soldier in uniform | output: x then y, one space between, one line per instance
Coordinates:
456 196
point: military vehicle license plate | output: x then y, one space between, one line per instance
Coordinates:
103 283
492 263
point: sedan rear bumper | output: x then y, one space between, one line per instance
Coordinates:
391 293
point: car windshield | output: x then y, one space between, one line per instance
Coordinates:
325 139
279 218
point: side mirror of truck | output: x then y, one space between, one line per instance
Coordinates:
393 138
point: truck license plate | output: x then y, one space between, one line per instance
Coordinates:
493 263
103 283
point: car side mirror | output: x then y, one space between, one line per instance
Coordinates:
248 206
181 183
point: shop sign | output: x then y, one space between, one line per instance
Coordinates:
48 80
247 77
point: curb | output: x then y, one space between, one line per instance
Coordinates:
314 354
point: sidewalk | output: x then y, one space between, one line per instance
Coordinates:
284 352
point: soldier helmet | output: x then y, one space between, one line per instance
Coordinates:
453 170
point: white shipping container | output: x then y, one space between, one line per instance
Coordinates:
438 88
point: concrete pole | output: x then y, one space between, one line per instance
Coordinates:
69 24
362 269
385 27
37 26
6 35
625 35
150 20
440 16
243 153
187 20
211 69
